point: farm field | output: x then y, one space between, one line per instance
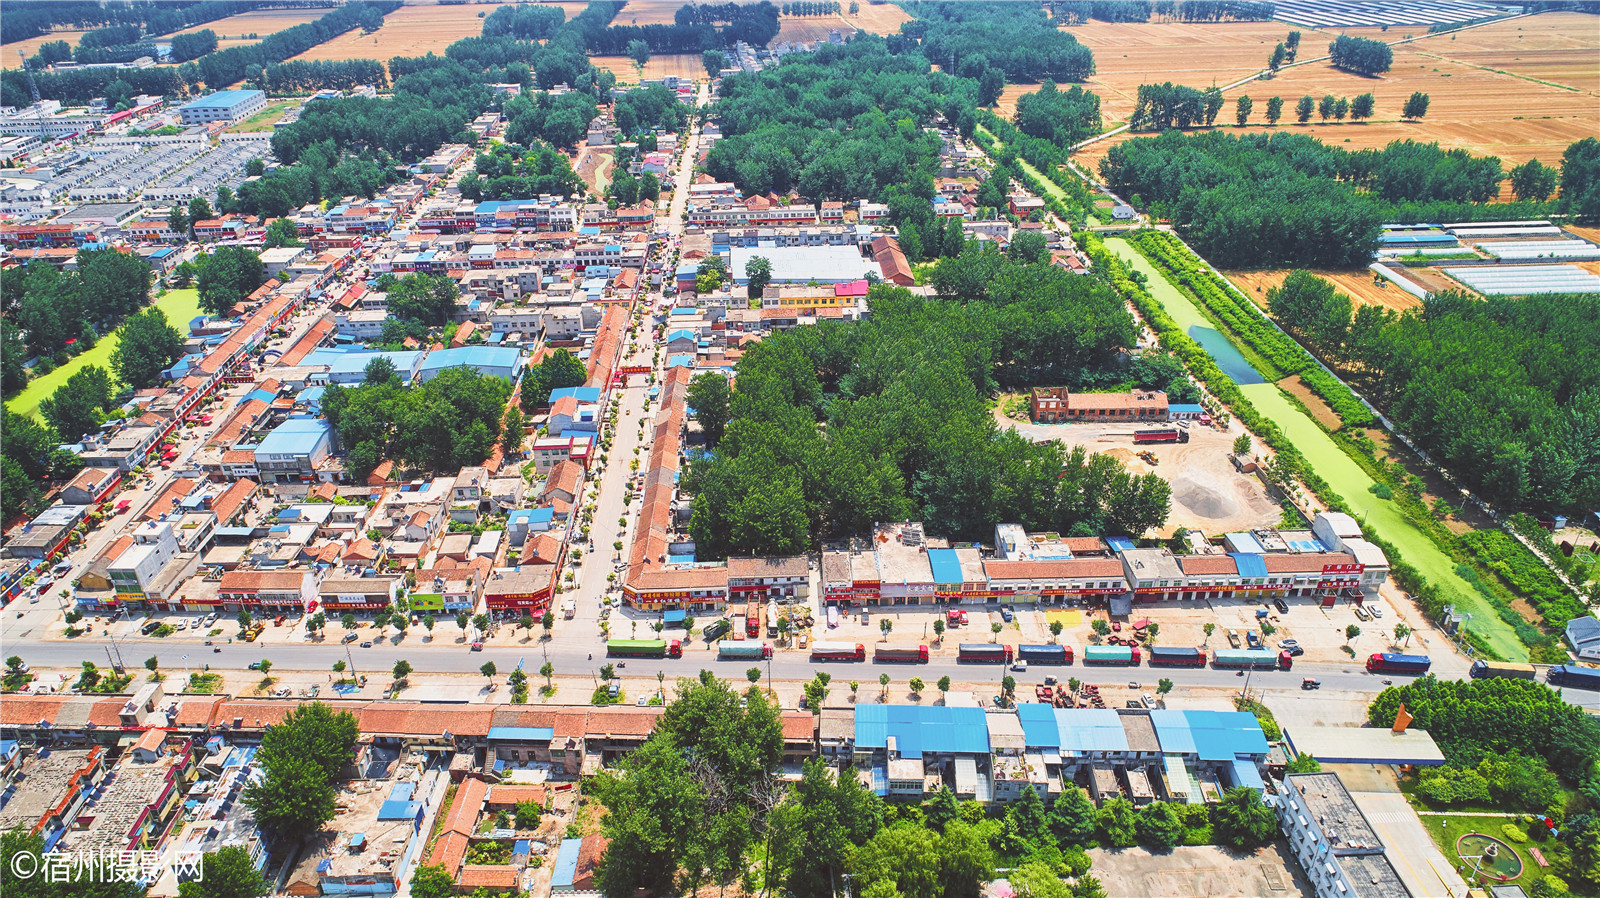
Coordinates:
236 30
408 31
180 306
877 18
684 65
265 119
1471 107
810 29
1357 285
31 46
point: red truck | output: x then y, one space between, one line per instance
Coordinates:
752 620
955 617
917 654
1161 435
838 651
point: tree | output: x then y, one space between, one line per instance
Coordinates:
1363 56
753 675
512 431
300 757
1115 823
639 52
711 400
938 628
433 881
1055 630
1029 248
712 60
1242 109
883 680
1402 631
884 626
1304 108
1208 629
1158 826
1037 879
547 670
1274 110
1073 817
1164 686
148 344
758 271
1027 825
199 210
178 220
1303 763
1351 632
1362 106
1100 626
23 851
226 873
282 232
548 622
916 685
1416 106
1241 821
76 407
1533 181
402 669
489 670
1325 106
227 276
559 369
1279 54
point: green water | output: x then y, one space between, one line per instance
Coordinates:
180 306
1188 316
1347 479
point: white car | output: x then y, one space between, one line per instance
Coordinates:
1374 610
181 625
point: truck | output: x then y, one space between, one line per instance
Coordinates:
718 630
569 608
755 651
1251 659
1483 669
1045 654
645 648
984 652
1384 662
752 619
915 654
1574 675
772 620
838 651
1112 654
1161 435
1173 656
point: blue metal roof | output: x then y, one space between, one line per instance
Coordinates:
222 99
1120 543
1209 735
946 566
297 435
684 334
919 729
683 360
582 394
1184 408
1172 731
522 734
566 864
1039 727
1250 564
1246 542
1244 773
474 356
1090 729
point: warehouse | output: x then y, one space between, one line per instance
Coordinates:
223 106
804 264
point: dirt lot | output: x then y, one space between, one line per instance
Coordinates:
684 65
1356 284
408 31
1198 870
1207 493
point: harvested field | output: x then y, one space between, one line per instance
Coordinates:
236 30
31 46
1434 280
408 31
645 12
684 65
877 18
810 29
1128 54
1319 409
1357 285
1590 234
1471 106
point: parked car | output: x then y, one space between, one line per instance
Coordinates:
1375 610
1292 647
1281 605
1254 639
367 644
1005 614
1361 614
349 638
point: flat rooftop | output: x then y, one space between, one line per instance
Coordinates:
46 777
1330 804
1373 876
1364 745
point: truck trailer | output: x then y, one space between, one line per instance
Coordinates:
1045 654
1112 654
1484 669
645 648
1384 662
984 653
1251 659
1173 656
728 651
917 654
1161 435
752 619
1574 675
838 651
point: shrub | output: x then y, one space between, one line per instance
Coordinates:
1514 834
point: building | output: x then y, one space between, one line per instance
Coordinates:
1054 405
292 451
804 264
91 486
499 361
223 106
46 791
269 592
784 579
1583 633
139 801
1341 853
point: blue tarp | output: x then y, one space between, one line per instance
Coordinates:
946 566
1250 564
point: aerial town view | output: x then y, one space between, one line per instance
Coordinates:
813 449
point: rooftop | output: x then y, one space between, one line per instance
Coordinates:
47 778
919 729
1329 802
222 99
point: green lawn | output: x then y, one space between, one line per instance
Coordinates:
180 307
1446 829
1347 478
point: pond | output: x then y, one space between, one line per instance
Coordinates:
1229 359
1473 849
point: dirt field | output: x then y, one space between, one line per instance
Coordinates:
1471 107
877 18
645 12
1207 493
684 65
810 29
1128 54
236 30
1357 284
31 46
408 31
